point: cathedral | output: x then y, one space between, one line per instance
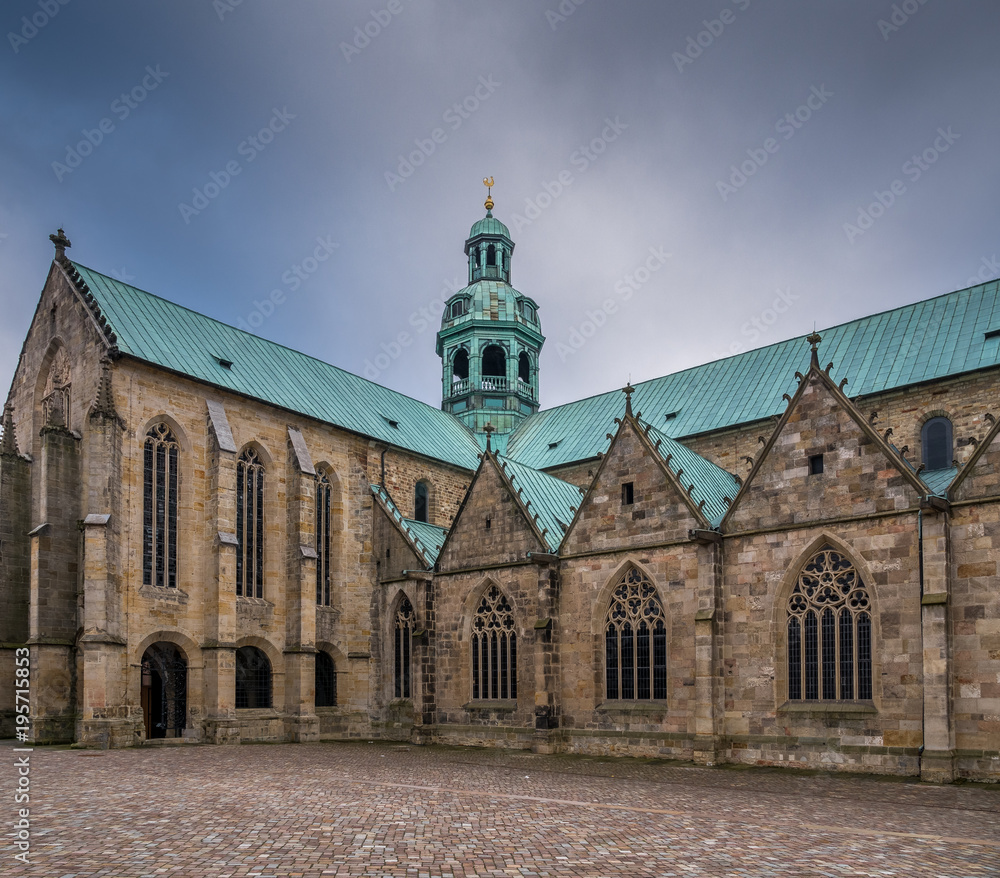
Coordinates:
787 557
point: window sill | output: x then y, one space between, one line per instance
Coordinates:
164 593
504 704
625 706
829 707
253 602
263 712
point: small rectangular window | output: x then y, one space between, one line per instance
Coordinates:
815 464
628 494
489 521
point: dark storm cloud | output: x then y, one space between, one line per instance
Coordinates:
742 139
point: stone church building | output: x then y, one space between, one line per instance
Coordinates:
786 557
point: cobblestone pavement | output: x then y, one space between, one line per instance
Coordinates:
383 809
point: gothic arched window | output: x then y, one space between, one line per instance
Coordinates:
324 539
829 632
250 525
420 501
491 255
635 641
935 444
159 507
326 680
253 678
494 648
404 634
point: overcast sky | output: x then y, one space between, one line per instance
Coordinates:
682 180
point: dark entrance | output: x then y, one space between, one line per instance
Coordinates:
164 691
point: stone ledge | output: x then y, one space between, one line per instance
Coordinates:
633 706
502 704
835 708
163 593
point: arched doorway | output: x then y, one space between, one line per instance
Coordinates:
164 691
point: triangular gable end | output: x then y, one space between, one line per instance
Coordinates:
660 509
821 429
980 477
394 551
491 526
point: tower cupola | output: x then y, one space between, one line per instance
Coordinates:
490 336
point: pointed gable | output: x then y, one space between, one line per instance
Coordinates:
861 474
491 526
660 510
423 541
980 477
710 487
549 501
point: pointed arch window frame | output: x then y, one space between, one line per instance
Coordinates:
324 539
403 624
635 641
829 632
160 465
250 513
493 648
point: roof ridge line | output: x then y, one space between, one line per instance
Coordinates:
260 338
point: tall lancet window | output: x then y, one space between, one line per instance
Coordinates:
829 632
159 508
324 540
250 525
403 644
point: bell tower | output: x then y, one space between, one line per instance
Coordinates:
490 336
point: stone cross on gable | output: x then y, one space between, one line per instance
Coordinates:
628 390
489 430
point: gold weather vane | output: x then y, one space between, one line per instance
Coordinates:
488 183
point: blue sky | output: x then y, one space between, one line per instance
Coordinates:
681 180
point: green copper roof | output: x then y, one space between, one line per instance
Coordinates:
490 300
710 484
938 480
550 498
489 225
920 342
426 539
168 335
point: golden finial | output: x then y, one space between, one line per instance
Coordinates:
488 183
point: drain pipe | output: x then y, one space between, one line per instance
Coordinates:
382 483
920 619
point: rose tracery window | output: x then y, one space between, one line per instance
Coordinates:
635 641
829 632
494 648
159 507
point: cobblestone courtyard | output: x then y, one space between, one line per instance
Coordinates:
380 809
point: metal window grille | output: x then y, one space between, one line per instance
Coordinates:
830 655
159 508
326 681
164 677
250 525
494 648
404 636
635 641
324 556
253 678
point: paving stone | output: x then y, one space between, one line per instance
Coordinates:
315 810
